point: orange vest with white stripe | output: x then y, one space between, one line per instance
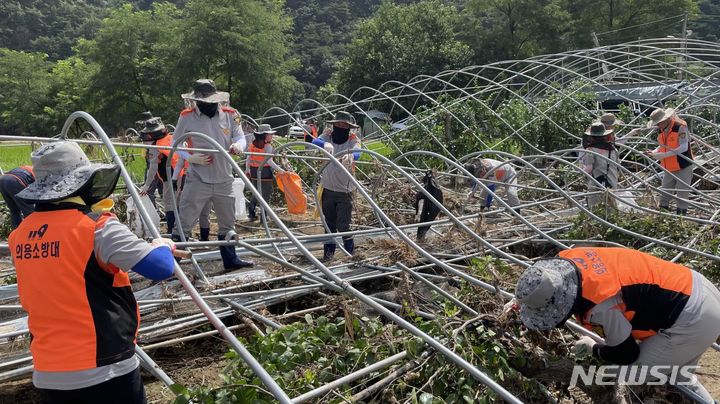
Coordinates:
654 292
671 140
81 314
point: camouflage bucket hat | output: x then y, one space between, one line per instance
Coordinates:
204 90
344 116
61 170
597 129
547 292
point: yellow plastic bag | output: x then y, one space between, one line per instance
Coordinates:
318 203
291 185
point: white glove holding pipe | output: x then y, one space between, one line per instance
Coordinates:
237 149
584 347
512 305
200 159
159 242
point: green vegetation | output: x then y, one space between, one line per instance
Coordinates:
673 230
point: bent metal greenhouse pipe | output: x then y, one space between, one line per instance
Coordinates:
349 289
179 274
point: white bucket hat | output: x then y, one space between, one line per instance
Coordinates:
547 292
660 115
62 170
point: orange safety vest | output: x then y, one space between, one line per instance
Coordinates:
256 160
654 291
81 313
168 141
671 140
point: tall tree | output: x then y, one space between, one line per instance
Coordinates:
24 83
401 41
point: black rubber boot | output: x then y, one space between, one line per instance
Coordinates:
230 258
204 234
681 212
170 219
349 245
328 252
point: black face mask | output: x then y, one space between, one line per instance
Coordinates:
100 186
340 135
208 109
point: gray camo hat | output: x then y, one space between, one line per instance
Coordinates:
61 169
547 292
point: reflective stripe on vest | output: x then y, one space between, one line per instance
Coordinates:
671 140
81 315
654 291
256 160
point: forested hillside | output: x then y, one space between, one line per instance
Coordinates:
116 58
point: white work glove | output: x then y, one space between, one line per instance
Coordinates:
347 161
471 194
329 147
512 305
584 346
200 159
236 149
652 154
143 190
159 242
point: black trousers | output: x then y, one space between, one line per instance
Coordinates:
337 209
19 208
266 188
125 389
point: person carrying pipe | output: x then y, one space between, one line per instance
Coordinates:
337 191
71 258
11 183
208 178
675 155
262 143
493 173
650 311
155 133
598 139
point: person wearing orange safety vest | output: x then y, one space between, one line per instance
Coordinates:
675 155
71 258
11 183
261 144
155 133
650 311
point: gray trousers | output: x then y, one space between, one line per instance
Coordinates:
684 345
197 194
676 184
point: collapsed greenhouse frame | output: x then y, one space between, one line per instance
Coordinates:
658 62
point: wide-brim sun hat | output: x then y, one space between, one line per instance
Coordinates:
660 115
346 117
204 90
610 119
152 125
63 170
547 292
597 129
264 129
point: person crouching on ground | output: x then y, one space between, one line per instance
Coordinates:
337 186
12 183
71 266
627 296
262 143
493 173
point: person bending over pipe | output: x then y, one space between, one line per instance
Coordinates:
11 183
494 173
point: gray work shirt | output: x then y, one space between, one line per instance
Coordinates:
333 177
601 166
224 127
114 245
